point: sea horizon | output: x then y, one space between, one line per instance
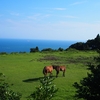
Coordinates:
24 45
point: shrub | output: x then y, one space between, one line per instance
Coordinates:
46 91
5 92
89 87
60 49
3 53
48 49
32 50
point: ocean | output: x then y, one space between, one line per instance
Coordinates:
24 45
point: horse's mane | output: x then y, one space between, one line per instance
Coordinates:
55 66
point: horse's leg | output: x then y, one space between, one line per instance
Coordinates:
64 73
57 72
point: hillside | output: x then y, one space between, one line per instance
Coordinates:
25 70
91 44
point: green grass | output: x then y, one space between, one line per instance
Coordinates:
24 70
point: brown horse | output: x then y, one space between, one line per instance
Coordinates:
58 69
47 69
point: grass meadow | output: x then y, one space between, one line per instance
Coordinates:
24 70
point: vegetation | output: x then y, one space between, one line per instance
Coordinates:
89 87
45 91
34 49
24 70
2 53
92 44
6 93
48 49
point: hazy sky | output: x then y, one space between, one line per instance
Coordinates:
50 19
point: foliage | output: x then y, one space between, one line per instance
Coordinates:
3 53
6 93
60 49
80 46
46 91
48 49
92 44
89 87
34 49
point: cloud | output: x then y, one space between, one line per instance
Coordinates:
38 16
58 30
77 3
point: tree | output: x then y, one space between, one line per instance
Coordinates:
34 49
46 91
92 44
89 87
97 42
60 49
79 46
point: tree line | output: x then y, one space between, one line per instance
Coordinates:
36 49
92 44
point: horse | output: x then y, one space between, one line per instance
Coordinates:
48 69
58 69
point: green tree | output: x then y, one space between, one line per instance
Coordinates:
92 44
89 87
79 46
97 42
34 49
46 91
60 49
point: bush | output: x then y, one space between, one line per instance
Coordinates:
60 49
32 50
5 92
89 87
3 53
46 91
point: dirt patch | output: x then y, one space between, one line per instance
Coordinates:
50 58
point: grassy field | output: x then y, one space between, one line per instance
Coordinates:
23 71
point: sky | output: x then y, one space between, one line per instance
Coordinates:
75 20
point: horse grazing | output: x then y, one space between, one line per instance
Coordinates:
58 69
47 69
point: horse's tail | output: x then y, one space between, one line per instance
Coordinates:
64 71
44 70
